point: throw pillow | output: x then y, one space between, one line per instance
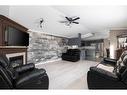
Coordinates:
125 60
121 65
123 55
122 69
107 68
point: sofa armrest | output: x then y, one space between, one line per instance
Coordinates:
110 61
29 78
104 74
76 54
64 53
24 68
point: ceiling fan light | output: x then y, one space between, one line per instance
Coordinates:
87 35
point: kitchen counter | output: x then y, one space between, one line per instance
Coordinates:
87 51
87 47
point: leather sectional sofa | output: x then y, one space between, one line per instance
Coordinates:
72 55
100 78
23 77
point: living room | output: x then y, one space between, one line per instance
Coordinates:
65 46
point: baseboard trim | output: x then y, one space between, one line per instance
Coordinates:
48 61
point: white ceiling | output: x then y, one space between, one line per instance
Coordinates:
98 19
95 19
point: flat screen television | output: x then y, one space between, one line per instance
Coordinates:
15 37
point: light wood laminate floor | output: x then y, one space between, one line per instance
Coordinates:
67 75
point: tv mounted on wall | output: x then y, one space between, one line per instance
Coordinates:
15 37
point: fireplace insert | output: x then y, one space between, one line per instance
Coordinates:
16 61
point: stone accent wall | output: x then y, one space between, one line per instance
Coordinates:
44 47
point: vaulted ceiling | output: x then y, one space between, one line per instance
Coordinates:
93 19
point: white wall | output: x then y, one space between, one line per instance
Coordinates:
4 10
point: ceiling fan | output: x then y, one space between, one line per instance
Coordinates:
70 20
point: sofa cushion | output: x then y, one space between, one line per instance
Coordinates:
73 51
121 59
122 69
124 76
105 67
105 74
12 73
4 62
123 55
125 60
121 65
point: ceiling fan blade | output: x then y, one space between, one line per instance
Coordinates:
76 22
76 18
63 21
68 18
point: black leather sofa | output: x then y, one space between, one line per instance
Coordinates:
71 55
23 77
98 78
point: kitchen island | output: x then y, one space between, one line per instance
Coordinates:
87 52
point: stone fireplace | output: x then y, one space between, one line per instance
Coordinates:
17 59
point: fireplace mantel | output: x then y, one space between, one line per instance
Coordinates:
13 47
23 54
